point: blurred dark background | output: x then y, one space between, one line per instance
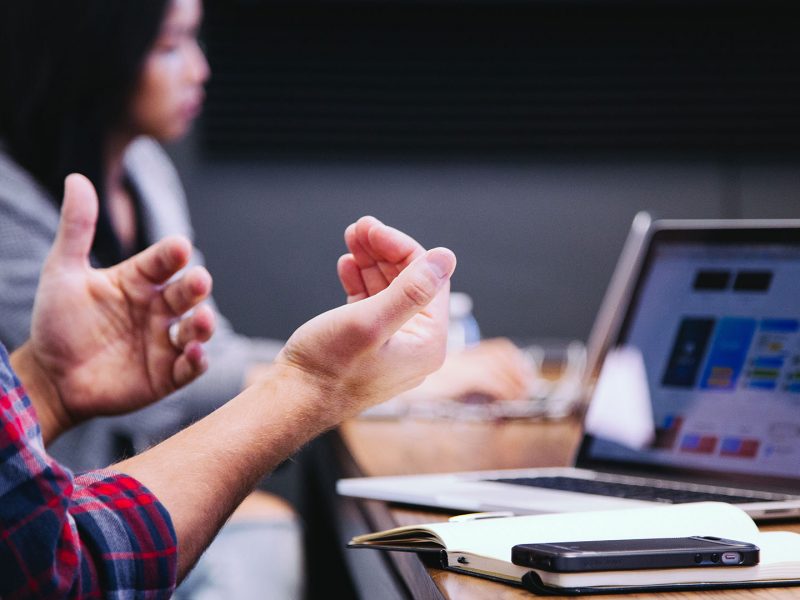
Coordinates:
524 135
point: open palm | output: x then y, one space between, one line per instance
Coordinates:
101 335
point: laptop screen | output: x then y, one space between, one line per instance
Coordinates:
715 315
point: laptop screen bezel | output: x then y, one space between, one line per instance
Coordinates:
767 232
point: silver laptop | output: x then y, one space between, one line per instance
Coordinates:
713 309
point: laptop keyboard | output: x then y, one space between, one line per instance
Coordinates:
631 491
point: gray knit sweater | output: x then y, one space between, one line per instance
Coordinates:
28 221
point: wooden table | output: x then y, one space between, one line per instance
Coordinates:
407 447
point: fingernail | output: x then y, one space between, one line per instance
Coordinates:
441 261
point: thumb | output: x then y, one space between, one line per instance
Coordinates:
416 288
78 220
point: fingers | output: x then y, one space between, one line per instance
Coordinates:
77 224
499 384
495 368
388 244
158 263
191 363
367 260
188 291
380 252
198 326
350 277
505 366
507 362
360 254
371 241
192 331
415 289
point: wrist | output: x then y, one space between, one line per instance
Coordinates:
311 396
42 391
255 373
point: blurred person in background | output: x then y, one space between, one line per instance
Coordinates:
94 86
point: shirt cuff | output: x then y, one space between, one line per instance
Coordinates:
127 533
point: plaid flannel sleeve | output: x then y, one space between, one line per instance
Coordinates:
101 534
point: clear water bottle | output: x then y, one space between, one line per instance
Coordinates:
463 328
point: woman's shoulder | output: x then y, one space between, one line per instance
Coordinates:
145 151
146 158
163 202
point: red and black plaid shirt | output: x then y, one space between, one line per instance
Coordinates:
100 534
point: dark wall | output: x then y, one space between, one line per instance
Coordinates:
536 241
501 78
524 135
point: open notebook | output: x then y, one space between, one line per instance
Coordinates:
711 312
483 547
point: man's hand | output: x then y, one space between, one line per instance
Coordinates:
100 341
392 333
494 368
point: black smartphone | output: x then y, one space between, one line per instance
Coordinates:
652 553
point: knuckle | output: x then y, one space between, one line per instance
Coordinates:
419 291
